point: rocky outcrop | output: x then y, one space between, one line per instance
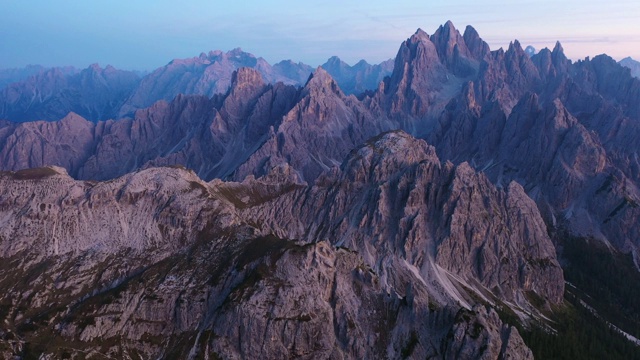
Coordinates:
483 326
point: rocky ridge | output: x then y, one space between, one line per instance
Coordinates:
160 254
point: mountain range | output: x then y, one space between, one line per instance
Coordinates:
432 207
38 93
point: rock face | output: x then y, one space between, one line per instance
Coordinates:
93 93
564 131
160 254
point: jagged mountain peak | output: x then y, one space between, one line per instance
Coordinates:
94 67
72 118
632 64
321 81
478 48
447 32
560 60
360 64
335 60
417 50
449 25
358 78
419 35
247 85
335 65
289 62
516 47
246 76
453 51
558 49
237 52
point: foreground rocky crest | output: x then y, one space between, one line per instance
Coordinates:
208 264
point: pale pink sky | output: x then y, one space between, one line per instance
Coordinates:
145 34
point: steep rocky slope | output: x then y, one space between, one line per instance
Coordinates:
159 263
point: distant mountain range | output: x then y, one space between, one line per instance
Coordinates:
474 203
50 94
8 76
37 93
633 65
